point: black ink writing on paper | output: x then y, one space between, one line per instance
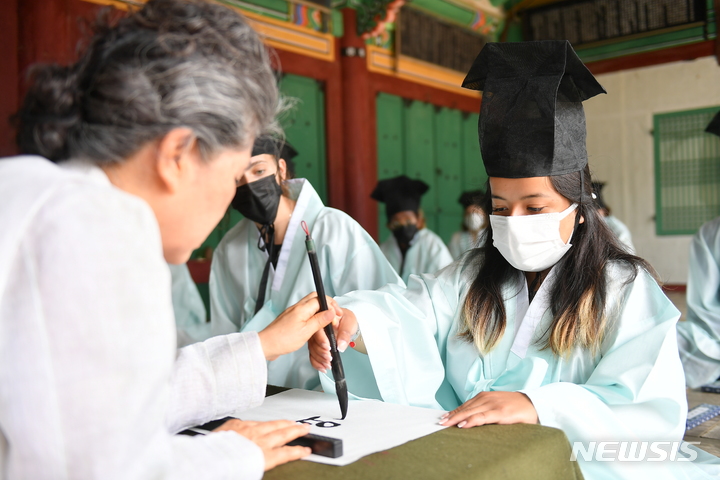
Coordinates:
319 423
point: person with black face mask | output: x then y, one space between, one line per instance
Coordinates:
261 267
412 248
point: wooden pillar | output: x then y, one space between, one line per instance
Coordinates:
9 99
334 136
359 136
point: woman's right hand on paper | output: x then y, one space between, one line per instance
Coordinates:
319 345
271 437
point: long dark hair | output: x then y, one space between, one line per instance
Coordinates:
577 302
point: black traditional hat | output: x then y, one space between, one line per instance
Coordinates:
473 197
714 125
399 194
278 147
532 122
599 200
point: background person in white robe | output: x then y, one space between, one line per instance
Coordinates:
617 227
261 265
188 307
699 335
412 248
474 223
185 300
551 321
150 149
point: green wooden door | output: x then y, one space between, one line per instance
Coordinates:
304 126
436 145
448 160
473 173
420 154
391 153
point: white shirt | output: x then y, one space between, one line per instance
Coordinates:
91 384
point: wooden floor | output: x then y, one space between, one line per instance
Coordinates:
708 433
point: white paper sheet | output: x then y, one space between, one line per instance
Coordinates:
370 426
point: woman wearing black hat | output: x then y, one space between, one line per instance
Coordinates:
699 334
474 223
551 321
412 248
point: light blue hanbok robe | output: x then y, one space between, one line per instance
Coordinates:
427 254
622 232
631 389
349 260
188 307
462 241
699 335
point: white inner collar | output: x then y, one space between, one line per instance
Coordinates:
529 314
301 205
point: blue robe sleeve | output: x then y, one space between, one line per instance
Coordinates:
405 331
455 245
188 307
436 254
226 305
699 335
351 257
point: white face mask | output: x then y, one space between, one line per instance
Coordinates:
474 221
530 243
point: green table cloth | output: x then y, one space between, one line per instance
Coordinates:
489 452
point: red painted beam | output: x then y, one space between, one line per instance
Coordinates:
360 144
678 288
423 93
657 57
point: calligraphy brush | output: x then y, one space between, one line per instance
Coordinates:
337 366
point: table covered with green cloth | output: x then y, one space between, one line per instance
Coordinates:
495 452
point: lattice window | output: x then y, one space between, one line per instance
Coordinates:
588 21
426 38
687 171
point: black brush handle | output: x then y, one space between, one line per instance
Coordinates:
336 363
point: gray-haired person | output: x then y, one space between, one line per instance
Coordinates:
143 140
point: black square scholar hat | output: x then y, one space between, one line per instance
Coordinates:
714 125
532 122
399 194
